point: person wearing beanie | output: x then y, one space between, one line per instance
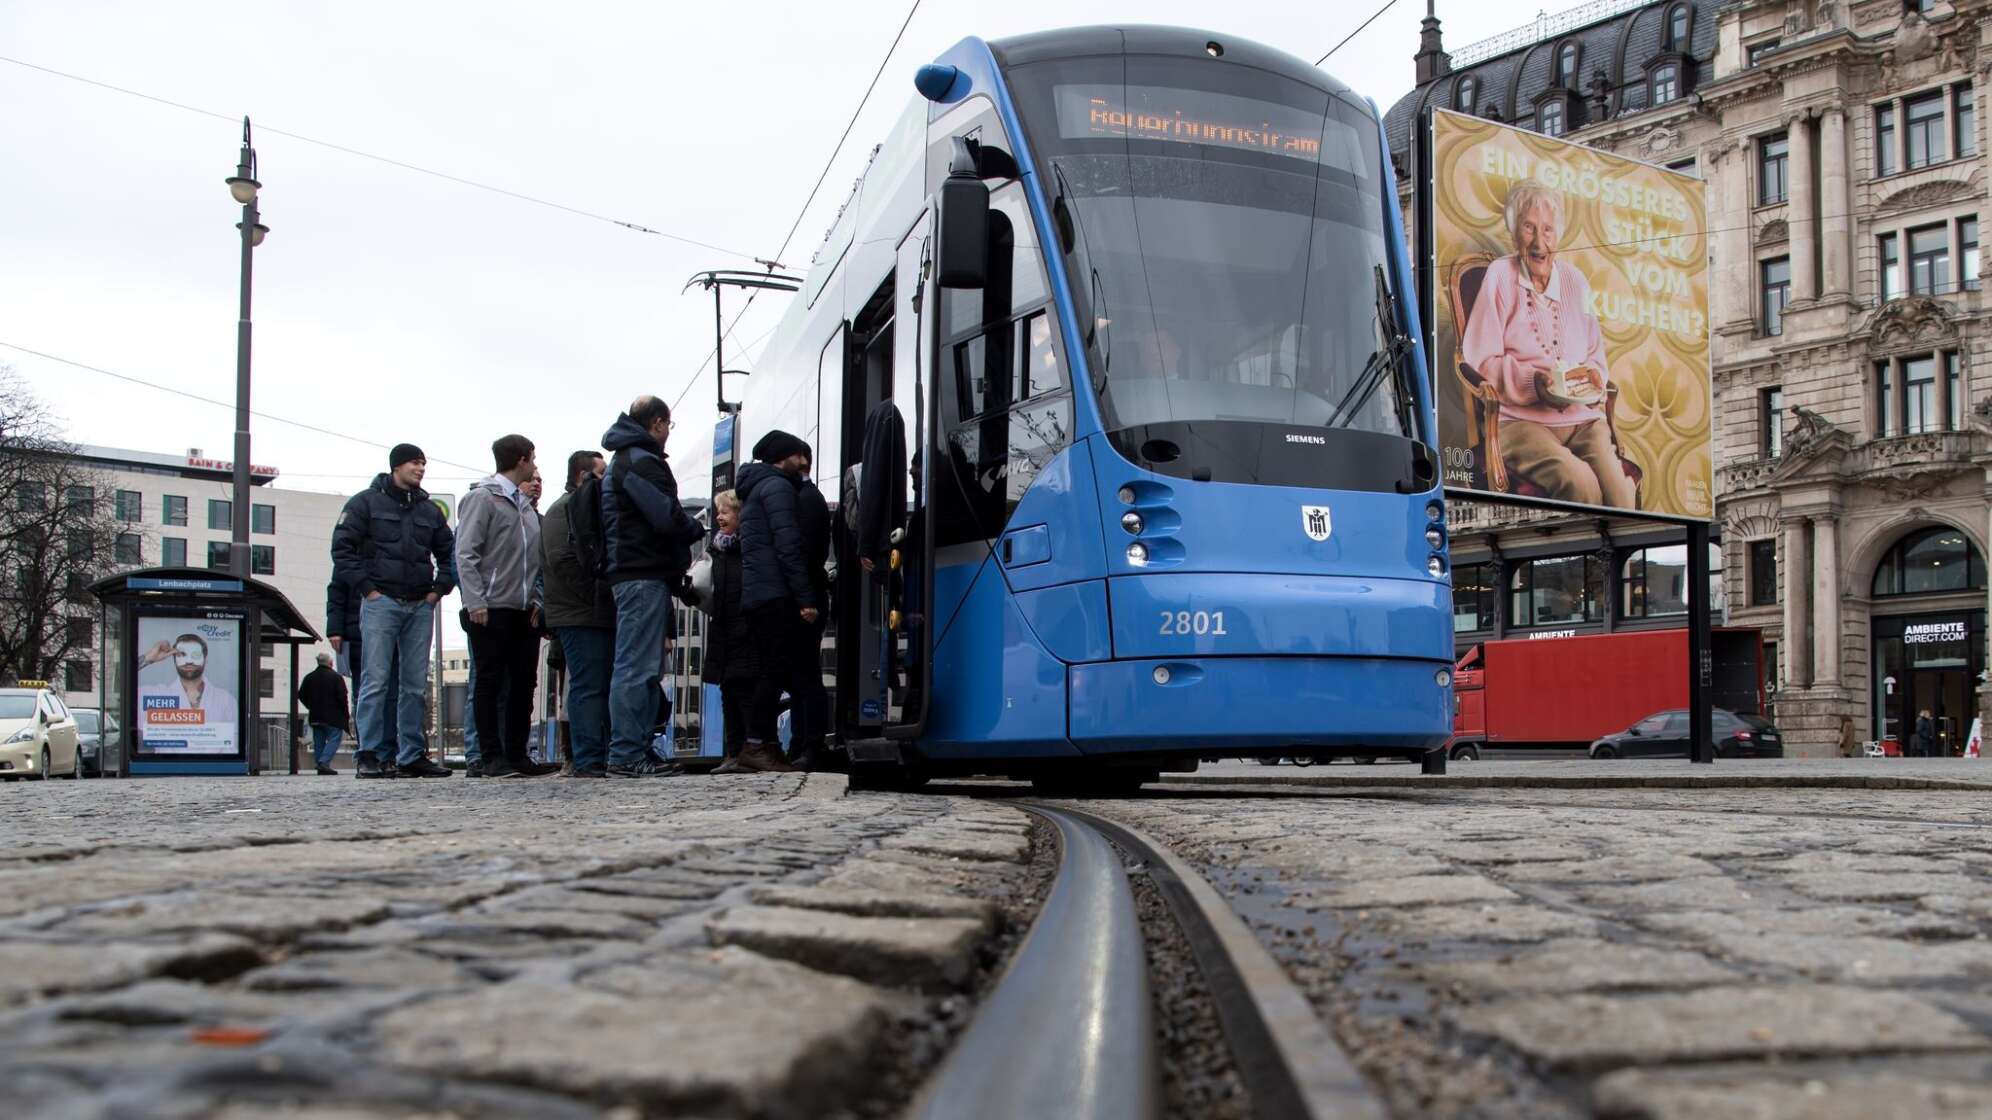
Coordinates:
780 598
647 540
393 551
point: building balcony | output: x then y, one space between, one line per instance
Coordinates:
1918 449
1469 517
1748 474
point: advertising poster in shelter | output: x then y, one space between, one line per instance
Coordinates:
1571 320
189 685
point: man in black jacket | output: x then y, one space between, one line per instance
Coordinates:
811 720
323 694
394 548
647 540
582 615
781 599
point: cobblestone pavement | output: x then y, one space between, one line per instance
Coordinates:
1655 954
318 946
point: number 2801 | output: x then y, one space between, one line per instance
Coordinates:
1193 622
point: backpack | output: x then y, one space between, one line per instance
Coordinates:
588 535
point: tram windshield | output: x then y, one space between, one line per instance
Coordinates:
1223 232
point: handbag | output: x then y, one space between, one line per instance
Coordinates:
698 582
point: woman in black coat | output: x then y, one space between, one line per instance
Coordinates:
730 659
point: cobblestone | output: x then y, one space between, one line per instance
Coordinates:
1670 954
207 947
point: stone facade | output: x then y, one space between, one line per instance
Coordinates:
1858 418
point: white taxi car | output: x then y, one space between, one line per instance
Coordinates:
38 736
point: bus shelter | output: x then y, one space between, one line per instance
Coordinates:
180 653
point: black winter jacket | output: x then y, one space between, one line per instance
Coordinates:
773 557
649 535
729 652
571 598
323 694
342 611
812 515
393 541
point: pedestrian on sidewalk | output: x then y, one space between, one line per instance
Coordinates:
498 559
323 694
1850 745
342 632
582 614
394 549
730 659
777 594
647 540
1926 735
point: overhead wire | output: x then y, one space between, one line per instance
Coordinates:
804 211
218 403
1387 5
520 196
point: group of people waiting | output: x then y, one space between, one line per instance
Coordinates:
597 573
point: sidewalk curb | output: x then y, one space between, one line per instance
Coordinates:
1562 781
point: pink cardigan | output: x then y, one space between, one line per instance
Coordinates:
1509 329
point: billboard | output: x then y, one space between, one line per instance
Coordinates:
189 686
1571 324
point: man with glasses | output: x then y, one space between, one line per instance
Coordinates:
646 547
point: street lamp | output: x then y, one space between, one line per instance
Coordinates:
242 186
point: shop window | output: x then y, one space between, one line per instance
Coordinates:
1930 562
1557 589
1473 597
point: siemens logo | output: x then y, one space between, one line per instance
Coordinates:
1322 440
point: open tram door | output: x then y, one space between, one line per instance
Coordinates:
896 620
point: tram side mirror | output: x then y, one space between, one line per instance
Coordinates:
964 223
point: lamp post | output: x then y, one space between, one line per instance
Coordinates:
242 186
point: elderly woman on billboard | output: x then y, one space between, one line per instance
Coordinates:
1532 338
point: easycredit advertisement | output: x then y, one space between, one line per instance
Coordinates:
189 673
1571 293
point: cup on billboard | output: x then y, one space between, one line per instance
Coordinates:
1571 319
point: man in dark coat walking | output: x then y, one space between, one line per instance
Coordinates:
781 599
323 694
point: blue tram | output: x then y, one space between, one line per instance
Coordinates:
1140 301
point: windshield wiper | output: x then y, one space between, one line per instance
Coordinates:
1385 360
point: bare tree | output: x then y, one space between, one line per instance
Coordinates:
58 534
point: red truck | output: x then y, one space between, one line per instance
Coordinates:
1563 692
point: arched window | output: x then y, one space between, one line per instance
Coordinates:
1930 562
1566 66
1666 83
1466 95
1549 118
1677 27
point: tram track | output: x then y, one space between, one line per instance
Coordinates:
1069 1029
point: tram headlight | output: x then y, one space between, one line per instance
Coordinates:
1437 567
1434 538
1131 521
1442 678
1137 553
1126 495
1433 511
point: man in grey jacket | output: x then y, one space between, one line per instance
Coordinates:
498 567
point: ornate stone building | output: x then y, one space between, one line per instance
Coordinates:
1853 394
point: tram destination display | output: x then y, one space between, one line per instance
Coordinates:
189 682
1570 293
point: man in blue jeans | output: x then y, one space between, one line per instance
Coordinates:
323 694
582 615
647 540
393 548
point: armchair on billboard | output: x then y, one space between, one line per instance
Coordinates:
1571 321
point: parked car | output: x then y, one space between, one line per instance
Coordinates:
90 739
1665 735
37 735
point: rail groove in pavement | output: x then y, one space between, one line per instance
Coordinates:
1068 1030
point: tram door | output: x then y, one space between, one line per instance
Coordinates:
909 595
884 612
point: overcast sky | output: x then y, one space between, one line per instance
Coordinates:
391 305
